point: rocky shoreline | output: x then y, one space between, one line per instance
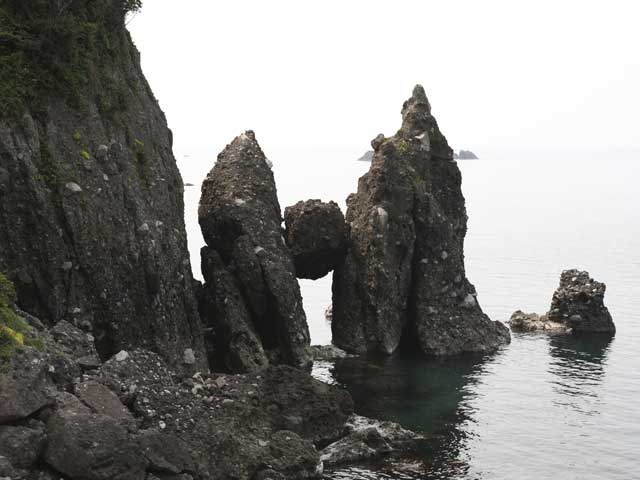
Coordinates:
116 364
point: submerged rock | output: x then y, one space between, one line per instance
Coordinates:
316 233
404 277
241 221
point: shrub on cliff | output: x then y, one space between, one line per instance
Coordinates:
14 330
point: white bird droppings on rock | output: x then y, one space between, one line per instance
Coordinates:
73 187
189 357
122 355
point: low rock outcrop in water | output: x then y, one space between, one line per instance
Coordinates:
577 306
403 276
316 233
251 295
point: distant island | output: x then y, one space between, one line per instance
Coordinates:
367 157
460 155
465 155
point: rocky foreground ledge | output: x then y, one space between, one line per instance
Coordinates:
577 306
64 414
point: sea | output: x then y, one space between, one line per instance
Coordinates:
543 407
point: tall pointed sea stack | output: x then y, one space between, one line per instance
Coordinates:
403 279
255 307
91 202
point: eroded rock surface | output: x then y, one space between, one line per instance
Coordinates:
577 306
134 417
241 222
316 233
404 277
91 199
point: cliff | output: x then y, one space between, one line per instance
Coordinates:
91 200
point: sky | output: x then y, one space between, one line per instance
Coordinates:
324 75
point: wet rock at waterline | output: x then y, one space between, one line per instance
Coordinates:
240 218
404 277
316 233
365 439
532 322
577 306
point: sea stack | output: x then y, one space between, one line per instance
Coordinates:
403 280
261 306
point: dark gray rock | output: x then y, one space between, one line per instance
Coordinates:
241 220
22 445
317 234
94 206
92 447
165 453
103 401
25 385
579 303
235 344
404 274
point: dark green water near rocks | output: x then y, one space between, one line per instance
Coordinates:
537 409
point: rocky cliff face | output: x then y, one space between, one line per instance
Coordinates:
404 277
90 195
259 306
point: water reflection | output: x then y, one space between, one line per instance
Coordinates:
425 395
577 369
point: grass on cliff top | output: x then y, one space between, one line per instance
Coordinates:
15 332
62 48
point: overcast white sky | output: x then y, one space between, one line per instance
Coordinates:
332 74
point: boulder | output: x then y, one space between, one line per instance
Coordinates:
92 447
403 277
316 233
103 401
25 385
240 218
22 445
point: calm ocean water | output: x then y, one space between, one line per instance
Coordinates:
545 407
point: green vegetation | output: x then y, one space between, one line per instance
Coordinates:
402 146
84 154
77 137
63 48
15 332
